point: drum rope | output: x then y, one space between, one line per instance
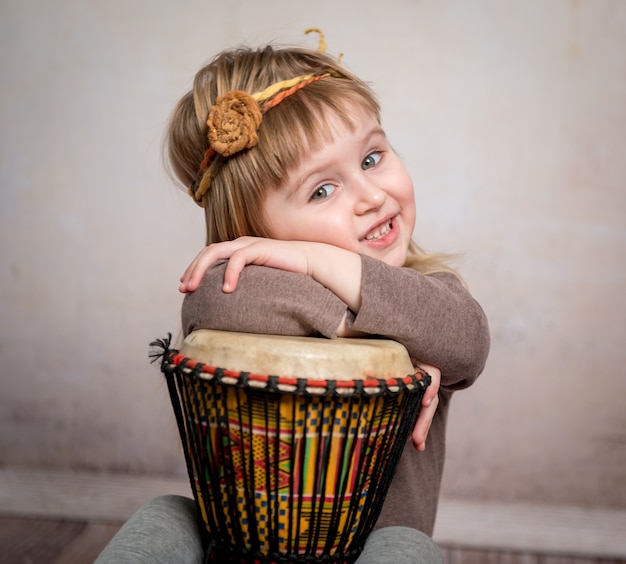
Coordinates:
161 351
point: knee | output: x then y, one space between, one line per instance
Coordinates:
170 503
163 530
165 509
400 545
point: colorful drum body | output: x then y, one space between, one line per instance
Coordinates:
291 442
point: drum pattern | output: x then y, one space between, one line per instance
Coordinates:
286 469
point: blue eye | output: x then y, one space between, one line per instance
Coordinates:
323 192
371 160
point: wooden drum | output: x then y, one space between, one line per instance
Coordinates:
291 442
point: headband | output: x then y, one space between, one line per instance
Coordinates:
235 118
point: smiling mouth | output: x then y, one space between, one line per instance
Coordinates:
379 232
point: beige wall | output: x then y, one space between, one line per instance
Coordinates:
512 119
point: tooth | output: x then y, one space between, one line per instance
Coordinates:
379 232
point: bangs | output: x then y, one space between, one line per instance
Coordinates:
298 125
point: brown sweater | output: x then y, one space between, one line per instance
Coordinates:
433 316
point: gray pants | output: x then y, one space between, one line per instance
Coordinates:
165 531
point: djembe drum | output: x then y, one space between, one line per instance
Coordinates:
290 442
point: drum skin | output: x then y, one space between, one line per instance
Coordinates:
304 357
291 442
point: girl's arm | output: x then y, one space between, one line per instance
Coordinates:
266 300
337 269
433 316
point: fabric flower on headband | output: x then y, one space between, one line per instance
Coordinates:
233 123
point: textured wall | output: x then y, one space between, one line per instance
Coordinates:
512 119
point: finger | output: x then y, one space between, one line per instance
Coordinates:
204 259
199 268
190 280
184 279
429 396
233 269
187 275
250 253
420 434
422 427
435 379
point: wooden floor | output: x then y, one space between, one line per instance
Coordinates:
53 541
47 541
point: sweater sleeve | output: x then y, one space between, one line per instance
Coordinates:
266 300
433 316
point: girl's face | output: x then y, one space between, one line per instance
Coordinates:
353 193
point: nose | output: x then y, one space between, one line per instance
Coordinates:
368 196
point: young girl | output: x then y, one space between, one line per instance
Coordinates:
309 216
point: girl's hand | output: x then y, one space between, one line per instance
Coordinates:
285 255
429 407
337 269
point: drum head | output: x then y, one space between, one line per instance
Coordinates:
301 357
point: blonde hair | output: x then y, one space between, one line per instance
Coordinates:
233 204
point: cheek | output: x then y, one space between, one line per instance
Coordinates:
406 196
410 212
278 217
283 229
302 227
330 228
402 182
327 227
409 188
